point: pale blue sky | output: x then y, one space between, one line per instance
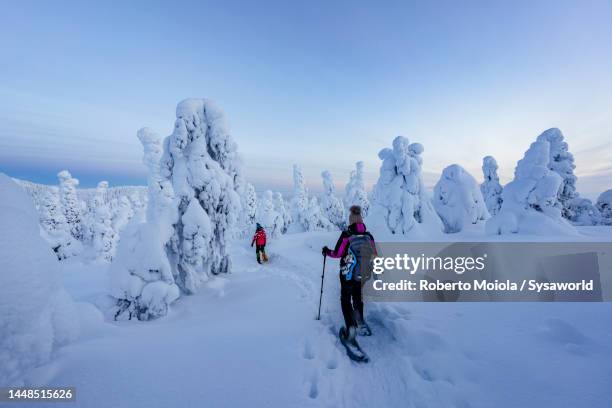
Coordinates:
323 84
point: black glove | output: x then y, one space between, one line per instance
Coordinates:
325 251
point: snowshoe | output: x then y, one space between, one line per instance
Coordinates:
353 351
363 329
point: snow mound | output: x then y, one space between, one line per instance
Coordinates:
604 205
458 200
36 314
530 204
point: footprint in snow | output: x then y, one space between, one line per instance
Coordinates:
308 351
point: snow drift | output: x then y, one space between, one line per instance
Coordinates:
36 313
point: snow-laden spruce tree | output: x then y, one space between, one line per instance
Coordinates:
201 159
561 162
281 208
490 188
249 209
331 205
530 202
55 229
142 278
122 213
37 316
604 206
458 200
305 210
267 215
71 206
139 206
104 236
355 191
400 202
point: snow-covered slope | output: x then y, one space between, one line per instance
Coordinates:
250 339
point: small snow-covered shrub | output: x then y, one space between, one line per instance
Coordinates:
582 211
400 201
604 205
458 200
355 192
530 203
36 313
331 205
490 188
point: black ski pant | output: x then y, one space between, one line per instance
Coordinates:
350 300
260 251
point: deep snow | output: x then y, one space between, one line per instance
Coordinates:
250 339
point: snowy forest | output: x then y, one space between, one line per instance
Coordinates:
86 263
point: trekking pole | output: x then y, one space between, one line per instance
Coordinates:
321 295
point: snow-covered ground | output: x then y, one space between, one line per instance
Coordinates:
251 339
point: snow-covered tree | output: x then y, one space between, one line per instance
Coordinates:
490 188
281 208
139 206
37 316
55 229
582 211
122 213
201 159
400 201
267 215
530 202
458 200
142 278
331 205
71 206
561 162
249 209
355 192
104 236
604 205
305 210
